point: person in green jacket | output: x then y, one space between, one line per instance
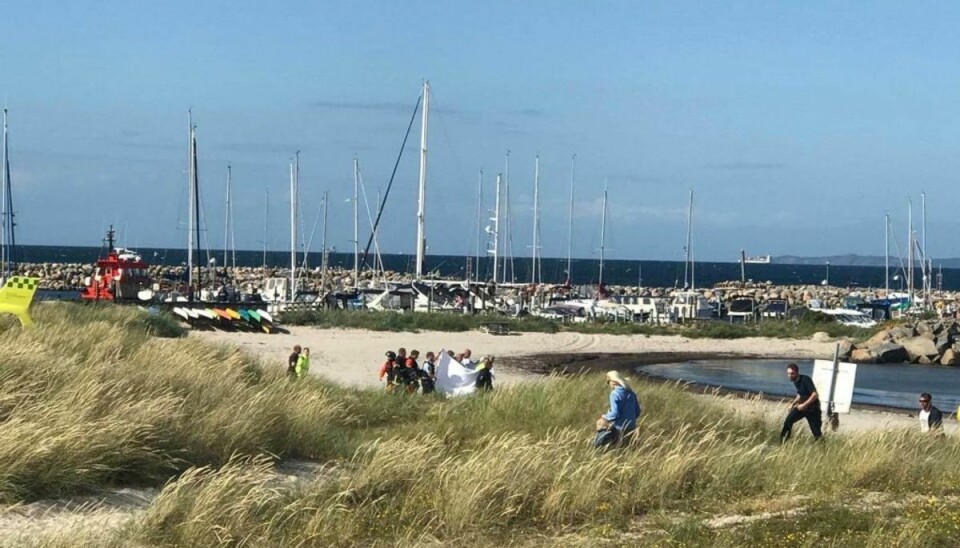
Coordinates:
303 363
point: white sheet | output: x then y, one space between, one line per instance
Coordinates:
453 378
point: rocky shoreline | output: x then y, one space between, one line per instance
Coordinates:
71 276
925 342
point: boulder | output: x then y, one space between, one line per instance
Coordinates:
950 357
919 346
923 327
863 355
943 342
923 360
880 338
890 353
902 332
820 336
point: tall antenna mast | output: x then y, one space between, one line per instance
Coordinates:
573 177
421 241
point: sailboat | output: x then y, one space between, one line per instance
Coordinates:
689 304
8 241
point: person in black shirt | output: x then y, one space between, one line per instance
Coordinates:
805 406
292 362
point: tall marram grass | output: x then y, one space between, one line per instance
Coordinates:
93 396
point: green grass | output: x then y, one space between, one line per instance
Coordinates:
93 397
809 324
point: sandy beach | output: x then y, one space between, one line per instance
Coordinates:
351 357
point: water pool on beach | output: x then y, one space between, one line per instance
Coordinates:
887 385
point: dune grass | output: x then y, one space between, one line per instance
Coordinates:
94 397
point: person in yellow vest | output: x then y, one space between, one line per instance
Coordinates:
303 363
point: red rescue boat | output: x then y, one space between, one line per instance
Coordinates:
122 275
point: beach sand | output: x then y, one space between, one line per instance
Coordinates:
351 357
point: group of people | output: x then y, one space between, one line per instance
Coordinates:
620 421
403 371
298 363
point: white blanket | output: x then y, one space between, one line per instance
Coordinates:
453 378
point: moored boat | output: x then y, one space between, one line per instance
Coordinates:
122 275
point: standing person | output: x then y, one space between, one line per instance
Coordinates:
303 363
388 370
292 362
408 371
401 356
485 373
805 406
931 419
621 419
466 361
428 373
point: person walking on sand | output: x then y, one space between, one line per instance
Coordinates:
621 419
931 419
388 370
303 363
292 361
806 405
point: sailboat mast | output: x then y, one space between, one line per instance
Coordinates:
603 232
6 231
294 194
910 250
496 229
266 224
356 223
508 226
196 214
536 219
421 241
886 255
923 249
226 223
573 177
687 262
476 268
190 204
323 252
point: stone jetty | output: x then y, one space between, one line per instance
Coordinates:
921 341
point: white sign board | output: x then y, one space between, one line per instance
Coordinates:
843 393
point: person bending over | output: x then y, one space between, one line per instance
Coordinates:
621 419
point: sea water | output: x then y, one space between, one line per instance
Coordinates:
584 271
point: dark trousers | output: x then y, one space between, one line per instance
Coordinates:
814 419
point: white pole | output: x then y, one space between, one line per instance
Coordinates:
266 218
496 229
688 265
356 225
421 241
573 177
536 219
923 249
190 191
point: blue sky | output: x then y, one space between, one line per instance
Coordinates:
797 124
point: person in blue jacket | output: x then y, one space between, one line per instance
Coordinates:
621 419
